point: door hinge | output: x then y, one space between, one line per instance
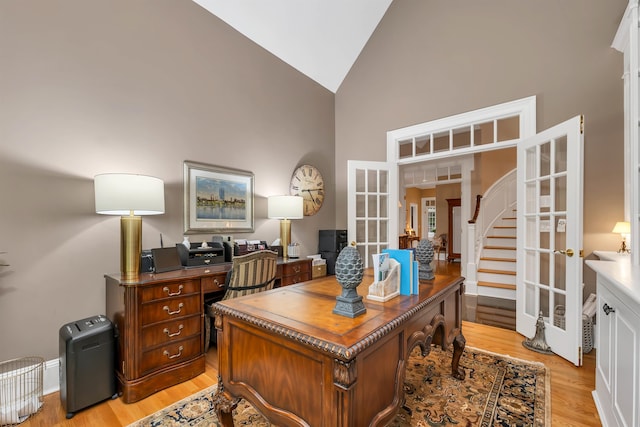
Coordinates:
581 124
581 253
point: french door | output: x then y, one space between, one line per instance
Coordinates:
372 207
549 244
549 224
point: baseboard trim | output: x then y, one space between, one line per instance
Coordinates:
51 377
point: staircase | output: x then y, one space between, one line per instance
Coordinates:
497 276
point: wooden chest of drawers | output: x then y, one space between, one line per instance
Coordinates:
293 271
159 319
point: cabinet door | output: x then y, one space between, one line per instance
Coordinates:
604 353
617 380
625 382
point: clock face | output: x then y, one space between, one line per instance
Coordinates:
307 182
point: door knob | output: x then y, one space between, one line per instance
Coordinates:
568 252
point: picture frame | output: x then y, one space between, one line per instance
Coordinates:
217 199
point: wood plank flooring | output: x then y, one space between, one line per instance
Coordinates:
571 387
571 401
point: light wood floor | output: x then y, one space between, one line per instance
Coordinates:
571 401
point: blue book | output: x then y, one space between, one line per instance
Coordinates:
414 285
405 259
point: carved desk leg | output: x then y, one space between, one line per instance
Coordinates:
458 347
223 405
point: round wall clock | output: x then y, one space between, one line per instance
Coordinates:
307 182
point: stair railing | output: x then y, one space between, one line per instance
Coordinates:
497 202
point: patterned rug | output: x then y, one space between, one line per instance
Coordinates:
498 391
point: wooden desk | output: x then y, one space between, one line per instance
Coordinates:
301 365
160 323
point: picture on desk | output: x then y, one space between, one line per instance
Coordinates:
217 199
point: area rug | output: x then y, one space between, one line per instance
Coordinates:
498 391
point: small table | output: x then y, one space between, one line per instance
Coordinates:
299 364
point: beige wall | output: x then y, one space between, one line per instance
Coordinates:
431 59
489 167
88 87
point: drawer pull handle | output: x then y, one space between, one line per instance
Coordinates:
215 282
173 294
171 313
296 269
175 334
607 309
173 356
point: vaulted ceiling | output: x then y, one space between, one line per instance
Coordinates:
320 38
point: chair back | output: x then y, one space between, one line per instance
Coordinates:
251 273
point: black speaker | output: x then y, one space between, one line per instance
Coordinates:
332 240
330 243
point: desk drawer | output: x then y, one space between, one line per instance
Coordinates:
213 283
169 289
169 354
166 332
293 268
170 309
297 278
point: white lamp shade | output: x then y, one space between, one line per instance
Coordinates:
123 194
284 207
622 227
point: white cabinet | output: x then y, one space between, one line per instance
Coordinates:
617 359
617 393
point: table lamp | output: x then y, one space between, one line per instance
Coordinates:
623 228
285 208
129 196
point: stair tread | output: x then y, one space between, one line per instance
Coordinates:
509 248
501 237
510 227
497 285
509 217
493 258
492 271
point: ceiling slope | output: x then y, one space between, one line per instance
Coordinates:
320 38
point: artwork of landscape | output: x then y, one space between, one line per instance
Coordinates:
220 199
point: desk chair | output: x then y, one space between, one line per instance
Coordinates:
249 274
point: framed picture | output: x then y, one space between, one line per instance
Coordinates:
217 199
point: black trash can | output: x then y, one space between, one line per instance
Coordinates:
87 363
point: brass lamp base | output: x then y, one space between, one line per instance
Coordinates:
130 246
285 236
623 248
